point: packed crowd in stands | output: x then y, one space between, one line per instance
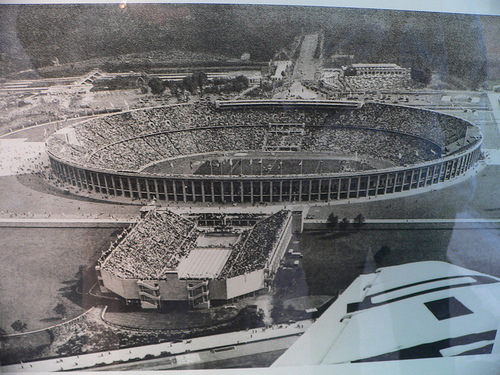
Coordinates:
370 83
284 142
440 128
131 140
162 239
255 247
153 246
376 82
397 148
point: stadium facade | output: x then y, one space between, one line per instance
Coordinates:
379 69
166 259
111 154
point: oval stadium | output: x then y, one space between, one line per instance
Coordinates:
264 151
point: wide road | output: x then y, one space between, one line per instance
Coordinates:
177 354
305 67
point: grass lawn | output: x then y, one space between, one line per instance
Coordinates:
476 197
41 267
333 260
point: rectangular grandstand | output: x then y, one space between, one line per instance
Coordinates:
165 258
148 252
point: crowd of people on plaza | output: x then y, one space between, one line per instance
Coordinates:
224 220
18 157
155 245
131 140
255 247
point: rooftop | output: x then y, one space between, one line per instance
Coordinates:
203 263
364 65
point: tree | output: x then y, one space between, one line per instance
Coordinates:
277 311
266 86
359 220
332 220
241 82
290 310
60 309
189 84
381 254
19 326
420 70
200 79
157 86
344 223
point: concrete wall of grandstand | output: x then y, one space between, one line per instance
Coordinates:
108 154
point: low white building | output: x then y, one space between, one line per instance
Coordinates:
378 69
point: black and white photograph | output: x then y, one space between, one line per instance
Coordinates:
251 188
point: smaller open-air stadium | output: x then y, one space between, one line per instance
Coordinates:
264 151
166 260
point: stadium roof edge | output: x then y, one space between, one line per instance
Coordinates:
287 102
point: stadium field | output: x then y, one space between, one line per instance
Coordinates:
262 164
